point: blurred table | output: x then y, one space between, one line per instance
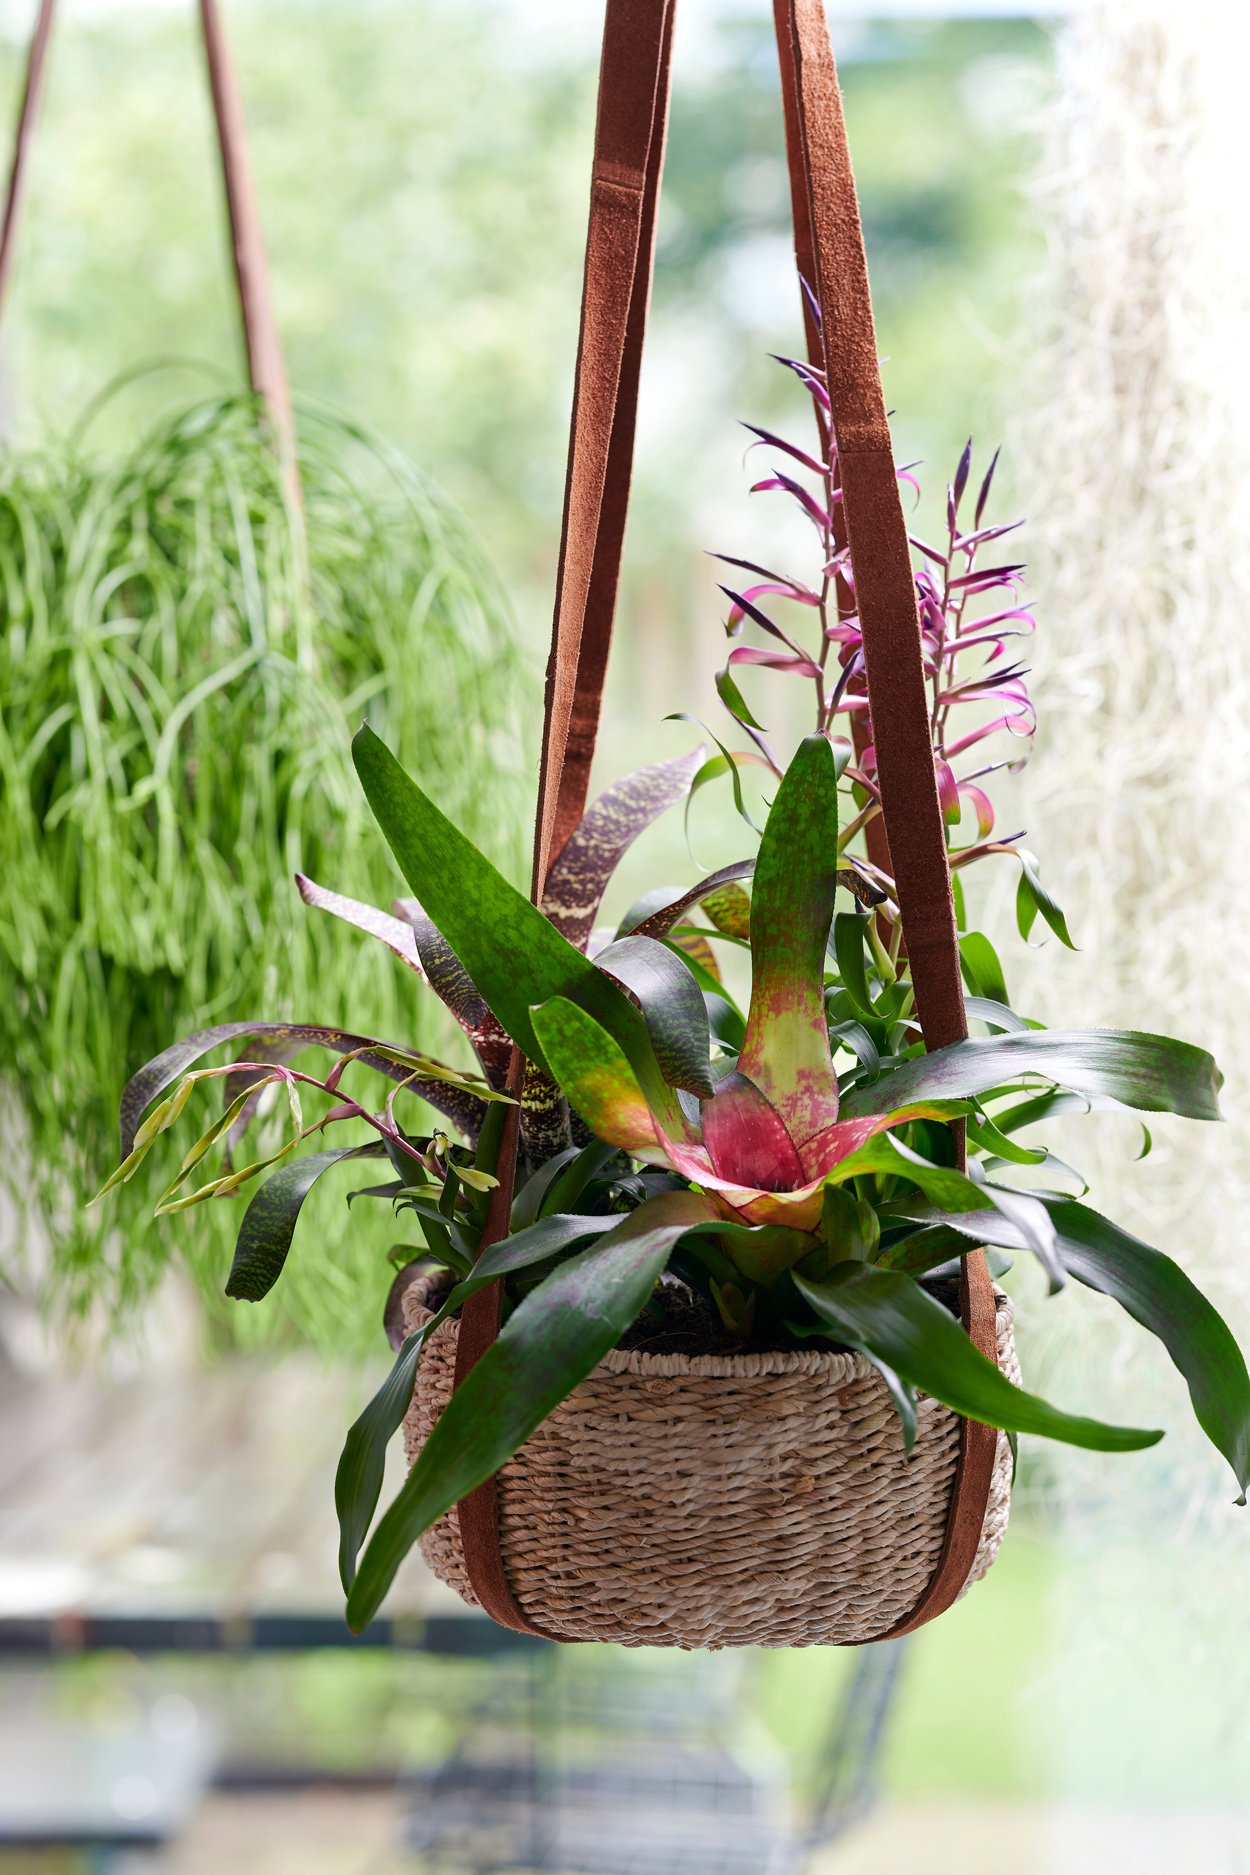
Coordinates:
192 1510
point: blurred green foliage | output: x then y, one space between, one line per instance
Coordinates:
422 171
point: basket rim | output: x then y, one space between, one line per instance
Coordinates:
819 1363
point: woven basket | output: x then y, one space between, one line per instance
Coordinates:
718 1500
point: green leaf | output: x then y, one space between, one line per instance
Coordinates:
528 1201
985 1136
573 1179
903 1395
595 1075
1032 897
269 1221
359 1478
952 1191
726 1022
729 909
672 1007
997 1015
786 1050
961 910
549 1344
854 1036
1150 1072
732 698
982 971
1157 1293
712 769
888 1315
514 955
848 950
924 1250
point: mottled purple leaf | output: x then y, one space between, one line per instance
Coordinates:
645 919
396 935
672 1006
579 877
270 1219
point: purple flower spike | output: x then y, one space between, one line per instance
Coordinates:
967 618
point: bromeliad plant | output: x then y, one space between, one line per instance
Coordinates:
671 1138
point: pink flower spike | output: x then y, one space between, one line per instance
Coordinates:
802 595
948 792
984 809
348 1110
1016 725
768 440
810 507
797 665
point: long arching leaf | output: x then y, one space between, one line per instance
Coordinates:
672 1007
269 1221
393 932
655 915
515 955
1150 1072
1157 1293
597 1076
549 1343
358 1481
891 1317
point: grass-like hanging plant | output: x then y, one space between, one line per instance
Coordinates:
182 660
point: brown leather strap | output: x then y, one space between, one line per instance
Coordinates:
629 155
601 599
478 1513
629 149
828 238
265 362
31 98
974 1469
266 366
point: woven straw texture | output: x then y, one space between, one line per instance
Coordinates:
718 1500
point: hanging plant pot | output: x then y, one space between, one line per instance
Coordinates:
819 1459
718 1500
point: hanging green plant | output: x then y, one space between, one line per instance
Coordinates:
181 659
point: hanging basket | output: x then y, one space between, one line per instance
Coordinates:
758 1498
718 1500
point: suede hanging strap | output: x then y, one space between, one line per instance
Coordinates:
36 61
620 245
829 242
